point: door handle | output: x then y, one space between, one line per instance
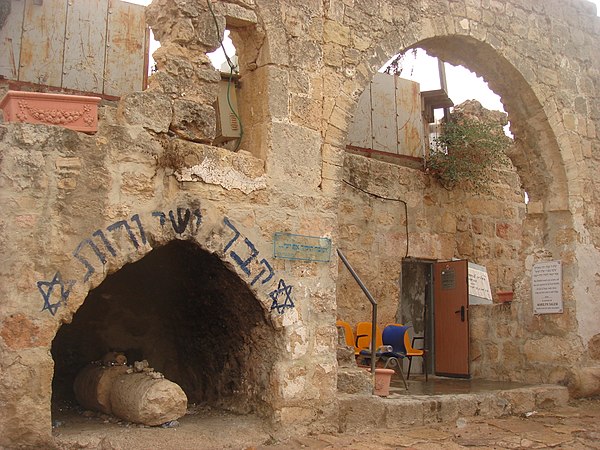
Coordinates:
462 313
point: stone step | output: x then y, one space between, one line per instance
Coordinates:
360 412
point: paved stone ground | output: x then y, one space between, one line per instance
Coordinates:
576 426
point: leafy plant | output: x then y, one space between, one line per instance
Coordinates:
466 151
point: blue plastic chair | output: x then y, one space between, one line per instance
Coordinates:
393 336
392 352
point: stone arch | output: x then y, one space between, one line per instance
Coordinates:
536 150
219 259
187 313
543 156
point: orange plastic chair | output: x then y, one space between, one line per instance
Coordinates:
363 336
348 334
414 352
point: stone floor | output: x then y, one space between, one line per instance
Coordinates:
440 414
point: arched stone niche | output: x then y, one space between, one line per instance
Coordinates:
189 316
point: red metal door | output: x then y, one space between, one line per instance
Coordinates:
451 324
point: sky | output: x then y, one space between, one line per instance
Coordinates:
462 83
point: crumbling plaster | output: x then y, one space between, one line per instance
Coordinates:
303 67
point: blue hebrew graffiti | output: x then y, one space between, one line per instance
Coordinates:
243 263
46 288
105 241
282 290
182 221
125 224
90 269
235 230
136 219
161 216
269 268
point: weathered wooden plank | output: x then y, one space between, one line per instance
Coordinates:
85 39
359 133
10 41
127 45
42 44
409 121
383 106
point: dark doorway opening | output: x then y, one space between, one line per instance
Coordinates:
416 306
189 316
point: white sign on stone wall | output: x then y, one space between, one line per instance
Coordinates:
546 287
479 285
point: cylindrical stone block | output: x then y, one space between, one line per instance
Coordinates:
140 398
93 384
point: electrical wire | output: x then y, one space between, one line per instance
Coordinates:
232 68
386 198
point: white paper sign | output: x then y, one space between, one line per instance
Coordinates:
546 287
479 285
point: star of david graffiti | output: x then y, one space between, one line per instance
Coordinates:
282 290
47 289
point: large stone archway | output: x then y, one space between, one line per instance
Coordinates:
551 132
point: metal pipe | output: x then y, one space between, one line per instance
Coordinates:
373 310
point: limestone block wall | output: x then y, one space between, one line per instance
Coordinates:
79 208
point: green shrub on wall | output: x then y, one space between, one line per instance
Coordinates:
467 151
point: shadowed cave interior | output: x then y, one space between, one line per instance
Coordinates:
185 312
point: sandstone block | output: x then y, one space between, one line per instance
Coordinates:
193 121
235 15
295 154
352 380
151 110
584 381
337 33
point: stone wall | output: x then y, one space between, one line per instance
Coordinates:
79 208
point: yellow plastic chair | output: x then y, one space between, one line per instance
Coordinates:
348 334
414 352
363 336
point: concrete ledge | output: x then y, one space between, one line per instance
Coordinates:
361 413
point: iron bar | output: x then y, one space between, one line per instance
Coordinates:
373 310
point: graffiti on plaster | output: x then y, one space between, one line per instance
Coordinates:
283 292
245 263
279 303
47 289
100 246
268 267
180 224
88 242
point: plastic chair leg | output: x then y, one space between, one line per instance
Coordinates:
409 364
398 364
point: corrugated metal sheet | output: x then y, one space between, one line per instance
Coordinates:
383 113
388 117
97 46
411 133
85 41
10 41
42 42
126 45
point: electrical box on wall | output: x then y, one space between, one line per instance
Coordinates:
228 125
